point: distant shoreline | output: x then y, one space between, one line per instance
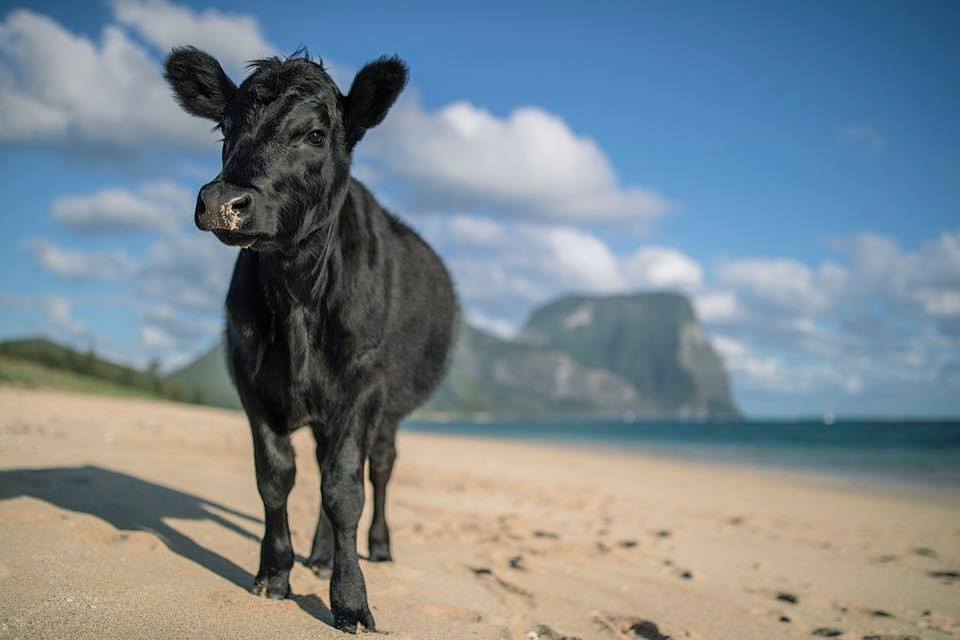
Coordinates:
920 453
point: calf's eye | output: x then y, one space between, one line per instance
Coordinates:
314 137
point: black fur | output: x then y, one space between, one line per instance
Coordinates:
339 316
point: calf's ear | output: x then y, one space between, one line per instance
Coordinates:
373 92
198 81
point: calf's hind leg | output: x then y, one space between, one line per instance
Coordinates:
383 454
321 555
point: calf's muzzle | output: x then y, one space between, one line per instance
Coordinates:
223 207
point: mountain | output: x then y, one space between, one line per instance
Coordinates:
209 379
586 356
652 340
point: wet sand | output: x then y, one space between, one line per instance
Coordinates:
136 519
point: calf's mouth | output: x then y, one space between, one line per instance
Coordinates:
235 239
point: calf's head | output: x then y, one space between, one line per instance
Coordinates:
288 135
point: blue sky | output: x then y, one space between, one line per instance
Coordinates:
793 167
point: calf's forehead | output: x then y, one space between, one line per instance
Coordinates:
279 91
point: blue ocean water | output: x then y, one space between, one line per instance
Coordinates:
925 453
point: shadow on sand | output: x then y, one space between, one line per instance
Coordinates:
131 504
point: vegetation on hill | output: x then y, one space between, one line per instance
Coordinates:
40 363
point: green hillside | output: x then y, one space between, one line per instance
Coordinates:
43 364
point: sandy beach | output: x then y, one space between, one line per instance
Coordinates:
125 518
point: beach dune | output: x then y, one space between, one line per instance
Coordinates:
126 518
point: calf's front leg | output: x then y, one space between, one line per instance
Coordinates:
343 496
276 471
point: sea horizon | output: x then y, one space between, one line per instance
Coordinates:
923 452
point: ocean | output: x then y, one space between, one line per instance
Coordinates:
925 453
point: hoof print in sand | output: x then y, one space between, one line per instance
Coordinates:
543 632
505 591
946 576
540 533
631 627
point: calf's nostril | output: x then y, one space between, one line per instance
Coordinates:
239 203
231 210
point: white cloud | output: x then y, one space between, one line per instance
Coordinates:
233 39
178 287
181 270
81 265
152 337
504 268
780 283
928 277
57 311
883 315
663 268
495 326
477 232
60 311
716 306
156 206
853 385
188 271
530 164
728 347
181 325
940 303
580 261
59 87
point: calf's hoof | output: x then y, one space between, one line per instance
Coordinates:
380 552
273 587
346 620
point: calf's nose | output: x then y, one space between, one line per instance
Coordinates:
222 207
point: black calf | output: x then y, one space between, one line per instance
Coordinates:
339 316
